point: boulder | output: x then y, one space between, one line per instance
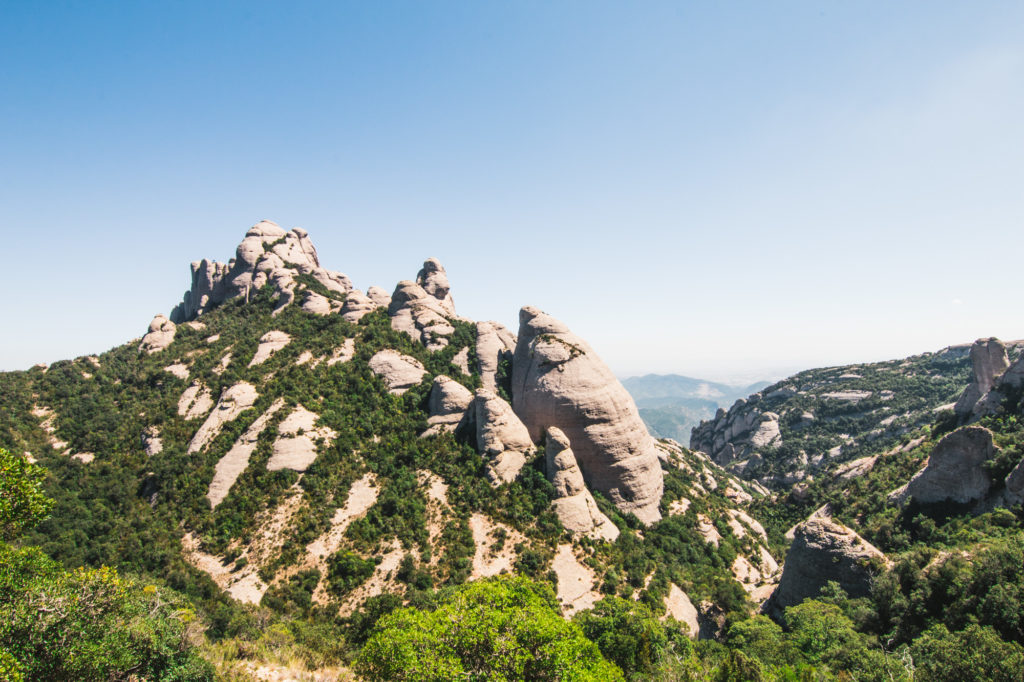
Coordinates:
399 372
357 305
447 404
500 436
573 503
379 296
434 280
160 335
824 550
558 381
955 470
988 362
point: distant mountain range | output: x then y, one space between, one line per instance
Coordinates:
672 404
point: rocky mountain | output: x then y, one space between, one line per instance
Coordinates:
671 405
283 439
828 419
324 473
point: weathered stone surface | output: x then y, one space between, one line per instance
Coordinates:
737 434
195 401
420 315
823 550
399 372
160 335
379 296
178 369
235 461
494 344
151 442
988 362
270 343
679 606
573 503
558 381
500 436
232 403
447 404
1014 494
434 280
297 441
357 305
461 360
267 255
320 305
955 469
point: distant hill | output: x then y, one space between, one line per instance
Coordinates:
672 404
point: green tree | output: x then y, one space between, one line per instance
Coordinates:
22 502
506 628
629 634
976 653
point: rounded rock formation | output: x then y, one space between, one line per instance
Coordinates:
558 381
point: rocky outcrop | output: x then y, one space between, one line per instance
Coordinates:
160 335
558 381
399 372
434 280
500 436
267 255
955 470
423 317
1014 493
357 305
234 462
823 550
379 297
232 403
738 433
270 343
988 362
447 404
573 503
495 345
298 441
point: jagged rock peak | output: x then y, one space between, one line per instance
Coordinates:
559 381
267 255
423 309
434 280
988 362
824 550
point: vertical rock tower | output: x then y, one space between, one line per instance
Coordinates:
558 381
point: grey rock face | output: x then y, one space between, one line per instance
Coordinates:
735 434
988 361
558 381
160 335
399 372
573 503
955 470
1014 494
824 550
357 305
447 404
494 344
267 255
423 315
500 436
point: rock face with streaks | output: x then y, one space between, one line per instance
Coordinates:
420 315
495 346
737 433
956 468
573 503
160 335
232 403
558 381
267 255
399 372
500 436
447 404
988 362
823 550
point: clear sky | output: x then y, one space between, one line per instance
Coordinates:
728 190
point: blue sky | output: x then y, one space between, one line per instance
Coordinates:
726 190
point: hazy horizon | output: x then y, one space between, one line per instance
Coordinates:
732 193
